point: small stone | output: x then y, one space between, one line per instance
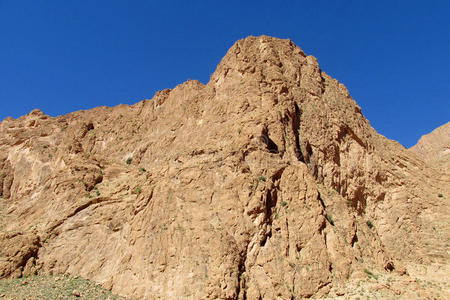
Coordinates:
76 293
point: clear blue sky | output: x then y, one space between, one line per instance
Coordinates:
62 56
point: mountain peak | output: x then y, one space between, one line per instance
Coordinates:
252 52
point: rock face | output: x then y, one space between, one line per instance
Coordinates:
265 183
434 147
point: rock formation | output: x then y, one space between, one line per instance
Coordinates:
265 183
434 148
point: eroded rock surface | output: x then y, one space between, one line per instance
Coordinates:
434 147
265 183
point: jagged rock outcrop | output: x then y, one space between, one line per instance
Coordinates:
265 183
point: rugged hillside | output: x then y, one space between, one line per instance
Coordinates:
434 148
268 182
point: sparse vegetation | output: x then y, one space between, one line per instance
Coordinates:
369 223
143 170
52 287
283 203
129 160
45 146
440 195
97 193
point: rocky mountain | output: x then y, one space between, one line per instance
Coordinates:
266 183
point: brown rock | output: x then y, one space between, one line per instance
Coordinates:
76 293
16 249
267 182
434 148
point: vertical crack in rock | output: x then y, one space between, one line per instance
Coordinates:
296 115
270 144
241 289
319 197
354 238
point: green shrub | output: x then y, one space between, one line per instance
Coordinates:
370 274
369 223
262 178
283 203
129 160
137 190
440 195
330 219
143 170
